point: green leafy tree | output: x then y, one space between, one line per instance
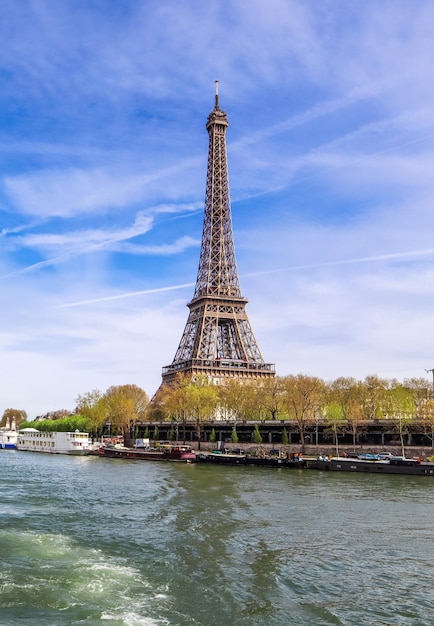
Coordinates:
400 407
125 405
237 399
257 437
234 435
212 436
93 408
65 425
175 400
285 438
204 401
334 421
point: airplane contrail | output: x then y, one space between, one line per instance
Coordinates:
131 294
367 259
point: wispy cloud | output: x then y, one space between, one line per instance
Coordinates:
102 179
18 229
65 193
113 244
165 249
319 110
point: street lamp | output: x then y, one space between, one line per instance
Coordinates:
432 372
316 429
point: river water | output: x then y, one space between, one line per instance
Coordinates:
90 541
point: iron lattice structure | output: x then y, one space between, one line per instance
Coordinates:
218 340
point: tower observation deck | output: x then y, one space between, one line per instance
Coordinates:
218 341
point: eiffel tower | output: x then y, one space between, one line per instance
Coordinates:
218 341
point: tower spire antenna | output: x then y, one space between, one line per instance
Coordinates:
216 94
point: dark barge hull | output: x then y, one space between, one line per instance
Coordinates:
222 459
407 466
240 459
148 455
274 462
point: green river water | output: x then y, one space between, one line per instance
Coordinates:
93 541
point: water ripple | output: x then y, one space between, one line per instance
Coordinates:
85 541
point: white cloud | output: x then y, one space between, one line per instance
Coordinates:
71 192
347 324
165 249
69 349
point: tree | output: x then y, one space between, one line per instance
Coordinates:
285 438
303 397
175 400
373 396
347 393
11 416
426 420
204 401
94 409
64 425
171 434
257 437
420 389
237 397
269 394
138 397
334 420
125 405
234 435
400 407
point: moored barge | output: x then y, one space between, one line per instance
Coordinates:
240 458
162 453
393 465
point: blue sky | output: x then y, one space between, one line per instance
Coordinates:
103 151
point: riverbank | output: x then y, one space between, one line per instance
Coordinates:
424 453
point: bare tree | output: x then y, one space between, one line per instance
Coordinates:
269 394
13 416
347 394
401 408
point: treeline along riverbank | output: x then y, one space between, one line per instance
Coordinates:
367 435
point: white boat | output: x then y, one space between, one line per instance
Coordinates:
9 435
8 439
33 440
